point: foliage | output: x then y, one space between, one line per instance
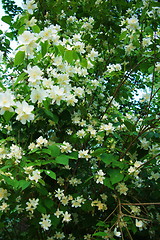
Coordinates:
79 153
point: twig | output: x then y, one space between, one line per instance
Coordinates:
134 204
145 219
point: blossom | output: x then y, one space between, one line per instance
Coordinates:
100 176
101 206
57 94
3 194
139 224
157 67
59 193
59 235
75 181
38 94
35 73
30 6
116 233
84 154
144 143
58 213
4 207
32 204
41 141
24 111
93 54
66 217
66 147
45 221
35 176
107 127
114 67
122 188
146 42
16 152
132 23
6 101
81 133
26 37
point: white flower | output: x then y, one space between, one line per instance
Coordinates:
93 54
41 141
35 176
32 204
81 133
6 101
146 42
58 213
116 233
29 6
107 127
3 194
129 48
59 235
34 73
139 224
45 221
144 143
157 67
26 37
59 193
84 154
114 67
66 147
66 217
24 111
132 23
57 94
38 94
122 188
100 176
4 207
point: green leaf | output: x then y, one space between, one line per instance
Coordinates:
22 76
123 35
62 159
12 182
107 158
54 150
7 19
21 30
115 176
19 58
73 155
1 86
52 116
107 183
60 49
44 47
41 209
8 115
131 127
50 174
98 151
70 56
36 29
48 203
23 184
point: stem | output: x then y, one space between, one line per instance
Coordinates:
138 204
122 82
145 219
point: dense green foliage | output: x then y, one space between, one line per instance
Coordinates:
79 152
